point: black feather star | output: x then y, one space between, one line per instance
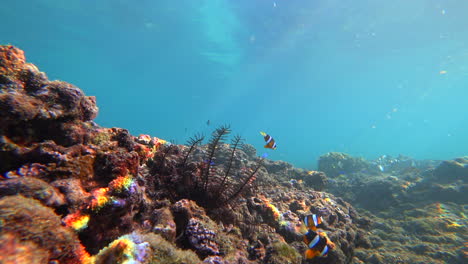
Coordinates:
217 137
193 142
236 143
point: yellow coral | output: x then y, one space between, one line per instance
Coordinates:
127 247
158 142
453 224
100 198
276 212
123 250
77 221
121 183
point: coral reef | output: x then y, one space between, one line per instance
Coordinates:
164 252
74 192
201 238
434 233
334 163
41 228
417 211
418 182
13 251
128 249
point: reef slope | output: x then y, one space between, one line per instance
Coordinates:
74 192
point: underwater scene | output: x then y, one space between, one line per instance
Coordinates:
233 131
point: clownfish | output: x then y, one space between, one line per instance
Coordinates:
270 142
317 242
313 221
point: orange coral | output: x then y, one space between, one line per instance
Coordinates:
11 60
76 221
158 142
100 198
83 255
274 210
121 183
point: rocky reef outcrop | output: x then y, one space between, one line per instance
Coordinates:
407 181
335 163
417 208
74 192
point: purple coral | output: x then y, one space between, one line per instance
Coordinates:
201 238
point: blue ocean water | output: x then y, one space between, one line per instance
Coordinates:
366 77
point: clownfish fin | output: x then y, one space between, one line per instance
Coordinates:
310 253
263 133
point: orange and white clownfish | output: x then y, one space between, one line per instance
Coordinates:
313 221
270 142
318 244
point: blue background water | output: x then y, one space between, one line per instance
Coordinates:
367 77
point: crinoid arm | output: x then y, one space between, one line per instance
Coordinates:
193 142
236 143
217 137
249 179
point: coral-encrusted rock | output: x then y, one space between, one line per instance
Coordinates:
433 230
281 252
250 151
11 60
283 210
452 170
48 161
446 183
187 209
14 250
164 224
165 252
116 163
30 220
198 231
126 249
198 228
334 163
276 166
34 108
34 188
314 179
74 193
201 238
215 260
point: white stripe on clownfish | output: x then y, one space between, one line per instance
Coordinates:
315 219
324 251
314 241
